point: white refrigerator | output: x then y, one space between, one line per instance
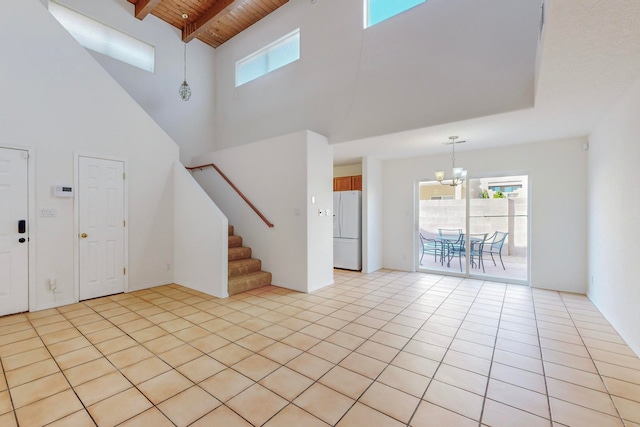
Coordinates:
347 226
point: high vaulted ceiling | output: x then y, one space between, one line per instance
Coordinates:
210 21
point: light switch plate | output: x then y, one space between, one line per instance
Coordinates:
47 212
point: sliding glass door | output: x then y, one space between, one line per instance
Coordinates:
479 229
442 223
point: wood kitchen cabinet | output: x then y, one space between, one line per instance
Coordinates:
347 183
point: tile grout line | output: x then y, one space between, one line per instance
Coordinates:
59 368
13 407
493 352
388 290
593 361
447 349
350 353
389 363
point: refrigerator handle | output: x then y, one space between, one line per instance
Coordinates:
340 218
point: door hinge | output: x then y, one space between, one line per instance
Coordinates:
124 176
124 270
124 223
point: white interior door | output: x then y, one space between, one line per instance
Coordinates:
101 227
14 232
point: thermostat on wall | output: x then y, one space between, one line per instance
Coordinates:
62 191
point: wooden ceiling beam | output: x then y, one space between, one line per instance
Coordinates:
144 7
195 29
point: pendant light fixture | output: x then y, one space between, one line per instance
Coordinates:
459 174
185 90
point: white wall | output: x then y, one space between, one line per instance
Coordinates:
319 226
411 71
558 173
190 124
274 175
200 237
371 215
60 101
614 208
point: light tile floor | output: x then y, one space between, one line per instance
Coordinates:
383 349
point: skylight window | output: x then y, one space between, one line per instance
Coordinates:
103 39
271 57
376 11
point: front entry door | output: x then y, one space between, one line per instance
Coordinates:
14 232
101 227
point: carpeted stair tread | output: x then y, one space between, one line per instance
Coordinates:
246 282
244 266
235 241
241 252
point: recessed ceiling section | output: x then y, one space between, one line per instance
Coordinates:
211 21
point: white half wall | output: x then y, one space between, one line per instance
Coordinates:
371 214
319 212
558 223
274 175
200 237
61 102
614 208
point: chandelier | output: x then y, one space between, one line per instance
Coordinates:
185 90
459 174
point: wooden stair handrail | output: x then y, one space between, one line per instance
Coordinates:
266 221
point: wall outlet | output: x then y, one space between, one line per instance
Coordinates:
52 284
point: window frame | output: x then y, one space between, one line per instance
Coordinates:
264 51
128 49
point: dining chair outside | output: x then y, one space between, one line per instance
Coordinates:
457 249
430 247
450 233
477 242
494 246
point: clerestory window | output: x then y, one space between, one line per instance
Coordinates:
376 11
271 57
103 39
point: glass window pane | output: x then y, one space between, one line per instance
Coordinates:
271 57
103 39
503 220
442 222
380 10
284 53
251 69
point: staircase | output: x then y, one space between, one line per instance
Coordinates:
244 272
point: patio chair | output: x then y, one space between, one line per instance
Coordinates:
477 242
494 246
450 233
456 249
430 247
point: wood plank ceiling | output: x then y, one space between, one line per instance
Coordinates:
210 21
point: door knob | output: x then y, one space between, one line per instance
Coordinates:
84 235
22 240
